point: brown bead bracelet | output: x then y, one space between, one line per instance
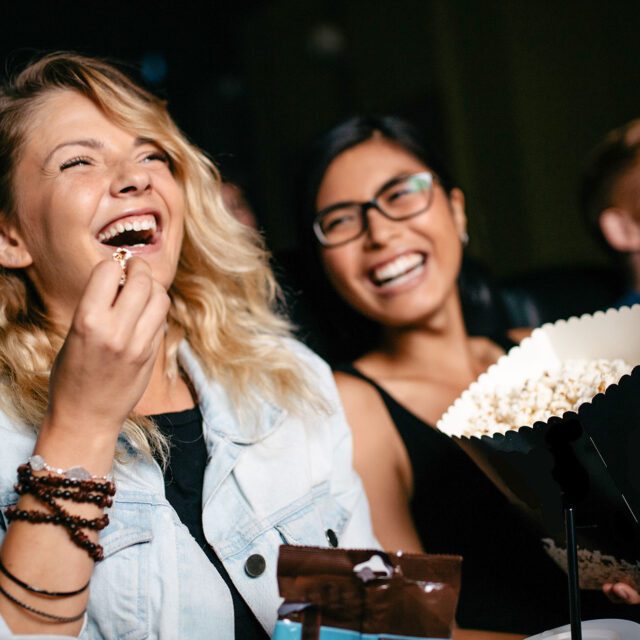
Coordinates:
48 496
61 517
80 496
46 488
105 487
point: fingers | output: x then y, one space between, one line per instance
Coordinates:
149 328
141 309
135 293
101 290
621 593
127 315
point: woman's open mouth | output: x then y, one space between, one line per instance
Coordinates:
131 232
398 270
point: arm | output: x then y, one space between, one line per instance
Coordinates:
381 461
99 376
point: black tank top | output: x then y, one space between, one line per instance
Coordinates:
184 478
508 581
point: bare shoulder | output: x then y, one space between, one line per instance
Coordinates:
364 407
354 388
379 456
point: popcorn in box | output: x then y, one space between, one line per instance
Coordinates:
568 447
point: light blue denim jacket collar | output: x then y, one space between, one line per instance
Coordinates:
218 413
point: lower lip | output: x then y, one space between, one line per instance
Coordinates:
402 283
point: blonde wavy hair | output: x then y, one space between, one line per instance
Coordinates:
224 297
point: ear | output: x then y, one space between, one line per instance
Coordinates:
621 230
13 251
456 199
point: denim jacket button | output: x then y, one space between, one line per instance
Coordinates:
332 538
255 565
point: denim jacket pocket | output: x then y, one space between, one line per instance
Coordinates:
320 523
120 586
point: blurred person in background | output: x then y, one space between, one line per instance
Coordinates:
610 199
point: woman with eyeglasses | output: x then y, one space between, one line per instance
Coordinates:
390 229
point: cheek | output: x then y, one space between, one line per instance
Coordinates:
441 230
176 202
340 267
178 220
344 274
35 223
451 246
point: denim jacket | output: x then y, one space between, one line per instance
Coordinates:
281 479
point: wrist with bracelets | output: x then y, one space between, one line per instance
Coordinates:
85 489
76 485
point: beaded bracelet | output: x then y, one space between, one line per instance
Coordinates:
77 536
38 612
82 497
62 517
33 486
95 484
82 490
41 592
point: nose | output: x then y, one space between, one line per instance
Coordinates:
130 178
380 228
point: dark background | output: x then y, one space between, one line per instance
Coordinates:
514 92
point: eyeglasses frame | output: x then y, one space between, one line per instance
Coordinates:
364 208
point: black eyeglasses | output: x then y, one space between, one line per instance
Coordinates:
399 199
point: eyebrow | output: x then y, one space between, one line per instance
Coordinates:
392 181
349 203
89 143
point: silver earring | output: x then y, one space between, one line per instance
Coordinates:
464 238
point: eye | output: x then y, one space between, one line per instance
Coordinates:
332 222
156 156
75 162
398 193
406 188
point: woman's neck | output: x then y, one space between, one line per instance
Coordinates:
165 394
438 347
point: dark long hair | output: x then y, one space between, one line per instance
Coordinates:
359 129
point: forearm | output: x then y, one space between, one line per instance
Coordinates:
43 555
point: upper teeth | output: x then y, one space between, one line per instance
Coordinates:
131 224
397 267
